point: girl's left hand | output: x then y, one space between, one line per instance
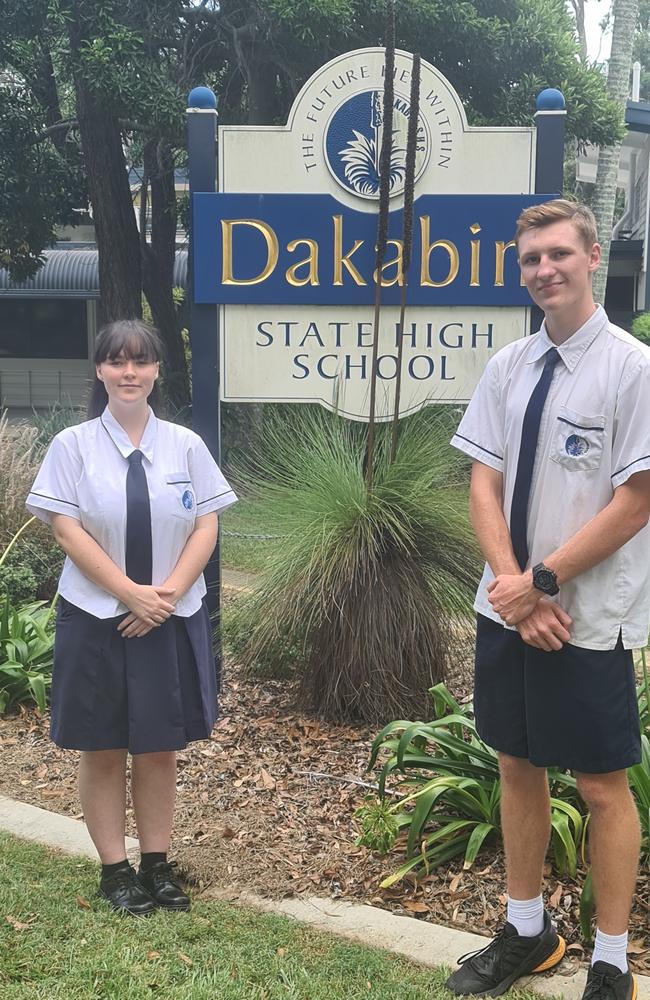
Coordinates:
133 627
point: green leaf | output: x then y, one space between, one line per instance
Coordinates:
475 842
587 907
564 843
39 690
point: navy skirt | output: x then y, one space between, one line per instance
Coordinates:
146 695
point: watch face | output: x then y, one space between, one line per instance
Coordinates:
545 579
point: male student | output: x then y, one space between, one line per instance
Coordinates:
559 431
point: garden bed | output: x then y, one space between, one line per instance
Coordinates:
267 804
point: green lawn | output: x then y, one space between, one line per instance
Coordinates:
246 554
53 946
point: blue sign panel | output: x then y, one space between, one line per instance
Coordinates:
312 250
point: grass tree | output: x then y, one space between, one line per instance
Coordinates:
365 594
370 583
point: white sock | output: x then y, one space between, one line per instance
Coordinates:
526 915
610 948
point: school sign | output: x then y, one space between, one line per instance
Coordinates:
286 248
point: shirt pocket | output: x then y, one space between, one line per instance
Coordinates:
579 440
181 500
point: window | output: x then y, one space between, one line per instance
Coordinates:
43 328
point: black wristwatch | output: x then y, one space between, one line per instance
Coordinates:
544 579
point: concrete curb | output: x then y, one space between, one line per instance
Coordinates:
62 832
423 942
428 944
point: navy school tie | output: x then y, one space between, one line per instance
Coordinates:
526 461
138 554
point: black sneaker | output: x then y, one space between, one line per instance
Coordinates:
492 970
161 884
125 893
607 982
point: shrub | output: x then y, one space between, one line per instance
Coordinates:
373 591
32 568
641 327
18 467
26 646
49 422
26 653
452 792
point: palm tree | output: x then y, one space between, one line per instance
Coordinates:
625 14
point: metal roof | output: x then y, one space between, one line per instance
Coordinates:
71 274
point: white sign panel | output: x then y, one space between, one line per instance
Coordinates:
278 346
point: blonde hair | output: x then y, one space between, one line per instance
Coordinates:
558 210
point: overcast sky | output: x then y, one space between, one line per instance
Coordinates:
598 46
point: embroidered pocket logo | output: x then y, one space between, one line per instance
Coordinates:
576 446
188 499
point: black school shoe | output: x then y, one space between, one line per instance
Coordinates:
607 982
160 883
492 970
125 893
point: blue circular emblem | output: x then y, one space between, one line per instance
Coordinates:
188 499
353 143
576 446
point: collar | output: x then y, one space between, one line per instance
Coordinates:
121 440
578 343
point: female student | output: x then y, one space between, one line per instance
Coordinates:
133 501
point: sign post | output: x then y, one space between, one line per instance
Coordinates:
204 321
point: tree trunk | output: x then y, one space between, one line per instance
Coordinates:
116 231
262 86
618 81
579 11
158 258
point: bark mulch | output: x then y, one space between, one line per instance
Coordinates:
267 804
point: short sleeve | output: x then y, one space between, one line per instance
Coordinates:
55 487
480 432
631 435
212 490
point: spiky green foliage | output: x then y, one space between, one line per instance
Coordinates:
373 590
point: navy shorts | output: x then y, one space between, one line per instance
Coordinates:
573 709
146 695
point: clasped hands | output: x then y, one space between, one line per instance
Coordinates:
149 607
539 621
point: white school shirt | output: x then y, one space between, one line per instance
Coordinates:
83 475
594 435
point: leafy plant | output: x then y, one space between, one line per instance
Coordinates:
641 327
452 788
31 571
373 590
26 646
26 653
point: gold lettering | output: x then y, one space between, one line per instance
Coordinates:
272 251
427 249
341 261
500 247
397 263
475 273
311 261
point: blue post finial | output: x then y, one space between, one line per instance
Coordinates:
202 98
550 99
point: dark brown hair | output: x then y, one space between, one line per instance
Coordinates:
134 339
